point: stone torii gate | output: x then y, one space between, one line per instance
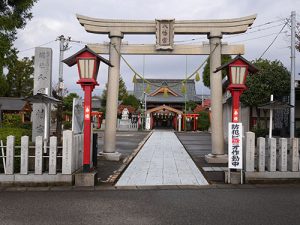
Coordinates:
165 30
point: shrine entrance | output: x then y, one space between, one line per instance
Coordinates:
164 117
165 30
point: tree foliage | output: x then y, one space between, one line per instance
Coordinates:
122 92
68 102
14 15
132 101
206 71
272 78
191 105
20 78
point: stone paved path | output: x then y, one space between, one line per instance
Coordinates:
162 161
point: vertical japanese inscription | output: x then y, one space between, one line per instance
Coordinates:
164 34
235 151
42 80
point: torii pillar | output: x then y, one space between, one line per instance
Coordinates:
217 138
109 150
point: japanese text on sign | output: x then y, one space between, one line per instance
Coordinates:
235 143
164 34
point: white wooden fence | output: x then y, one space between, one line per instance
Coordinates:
70 156
271 158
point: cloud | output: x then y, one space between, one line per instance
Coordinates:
54 17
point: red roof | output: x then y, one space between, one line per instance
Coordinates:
206 105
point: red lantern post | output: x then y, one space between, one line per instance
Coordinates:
237 72
88 63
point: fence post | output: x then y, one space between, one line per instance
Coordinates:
76 141
24 154
250 151
294 155
261 145
271 154
282 164
68 144
38 167
80 163
10 154
52 155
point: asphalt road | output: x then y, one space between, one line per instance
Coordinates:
268 205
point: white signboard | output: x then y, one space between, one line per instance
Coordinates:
148 122
235 143
77 116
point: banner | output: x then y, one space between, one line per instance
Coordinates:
235 143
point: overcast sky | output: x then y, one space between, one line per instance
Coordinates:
52 18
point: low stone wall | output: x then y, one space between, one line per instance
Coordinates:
271 158
43 173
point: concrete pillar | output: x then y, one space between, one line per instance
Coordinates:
261 146
294 155
38 159
271 161
109 150
282 159
24 154
53 155
217 133
250 151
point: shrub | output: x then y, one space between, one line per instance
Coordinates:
260 132
17 132
67 125
12 120
203 121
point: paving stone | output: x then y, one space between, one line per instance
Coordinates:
162 161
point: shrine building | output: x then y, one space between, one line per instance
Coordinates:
165 101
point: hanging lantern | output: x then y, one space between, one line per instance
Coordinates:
183 88
148 89
197 78
134 78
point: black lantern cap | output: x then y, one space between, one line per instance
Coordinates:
41 98
275 105
71 61
251 67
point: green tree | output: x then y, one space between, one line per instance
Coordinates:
206 71
131 100
272 78
20 78
122 92
191 105
14 15
203 121
68 103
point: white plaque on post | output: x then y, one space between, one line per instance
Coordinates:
164 34
235 143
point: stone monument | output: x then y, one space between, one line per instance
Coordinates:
124 122
42 83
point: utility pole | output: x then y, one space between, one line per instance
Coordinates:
292 97
185 96
63 46
144 94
